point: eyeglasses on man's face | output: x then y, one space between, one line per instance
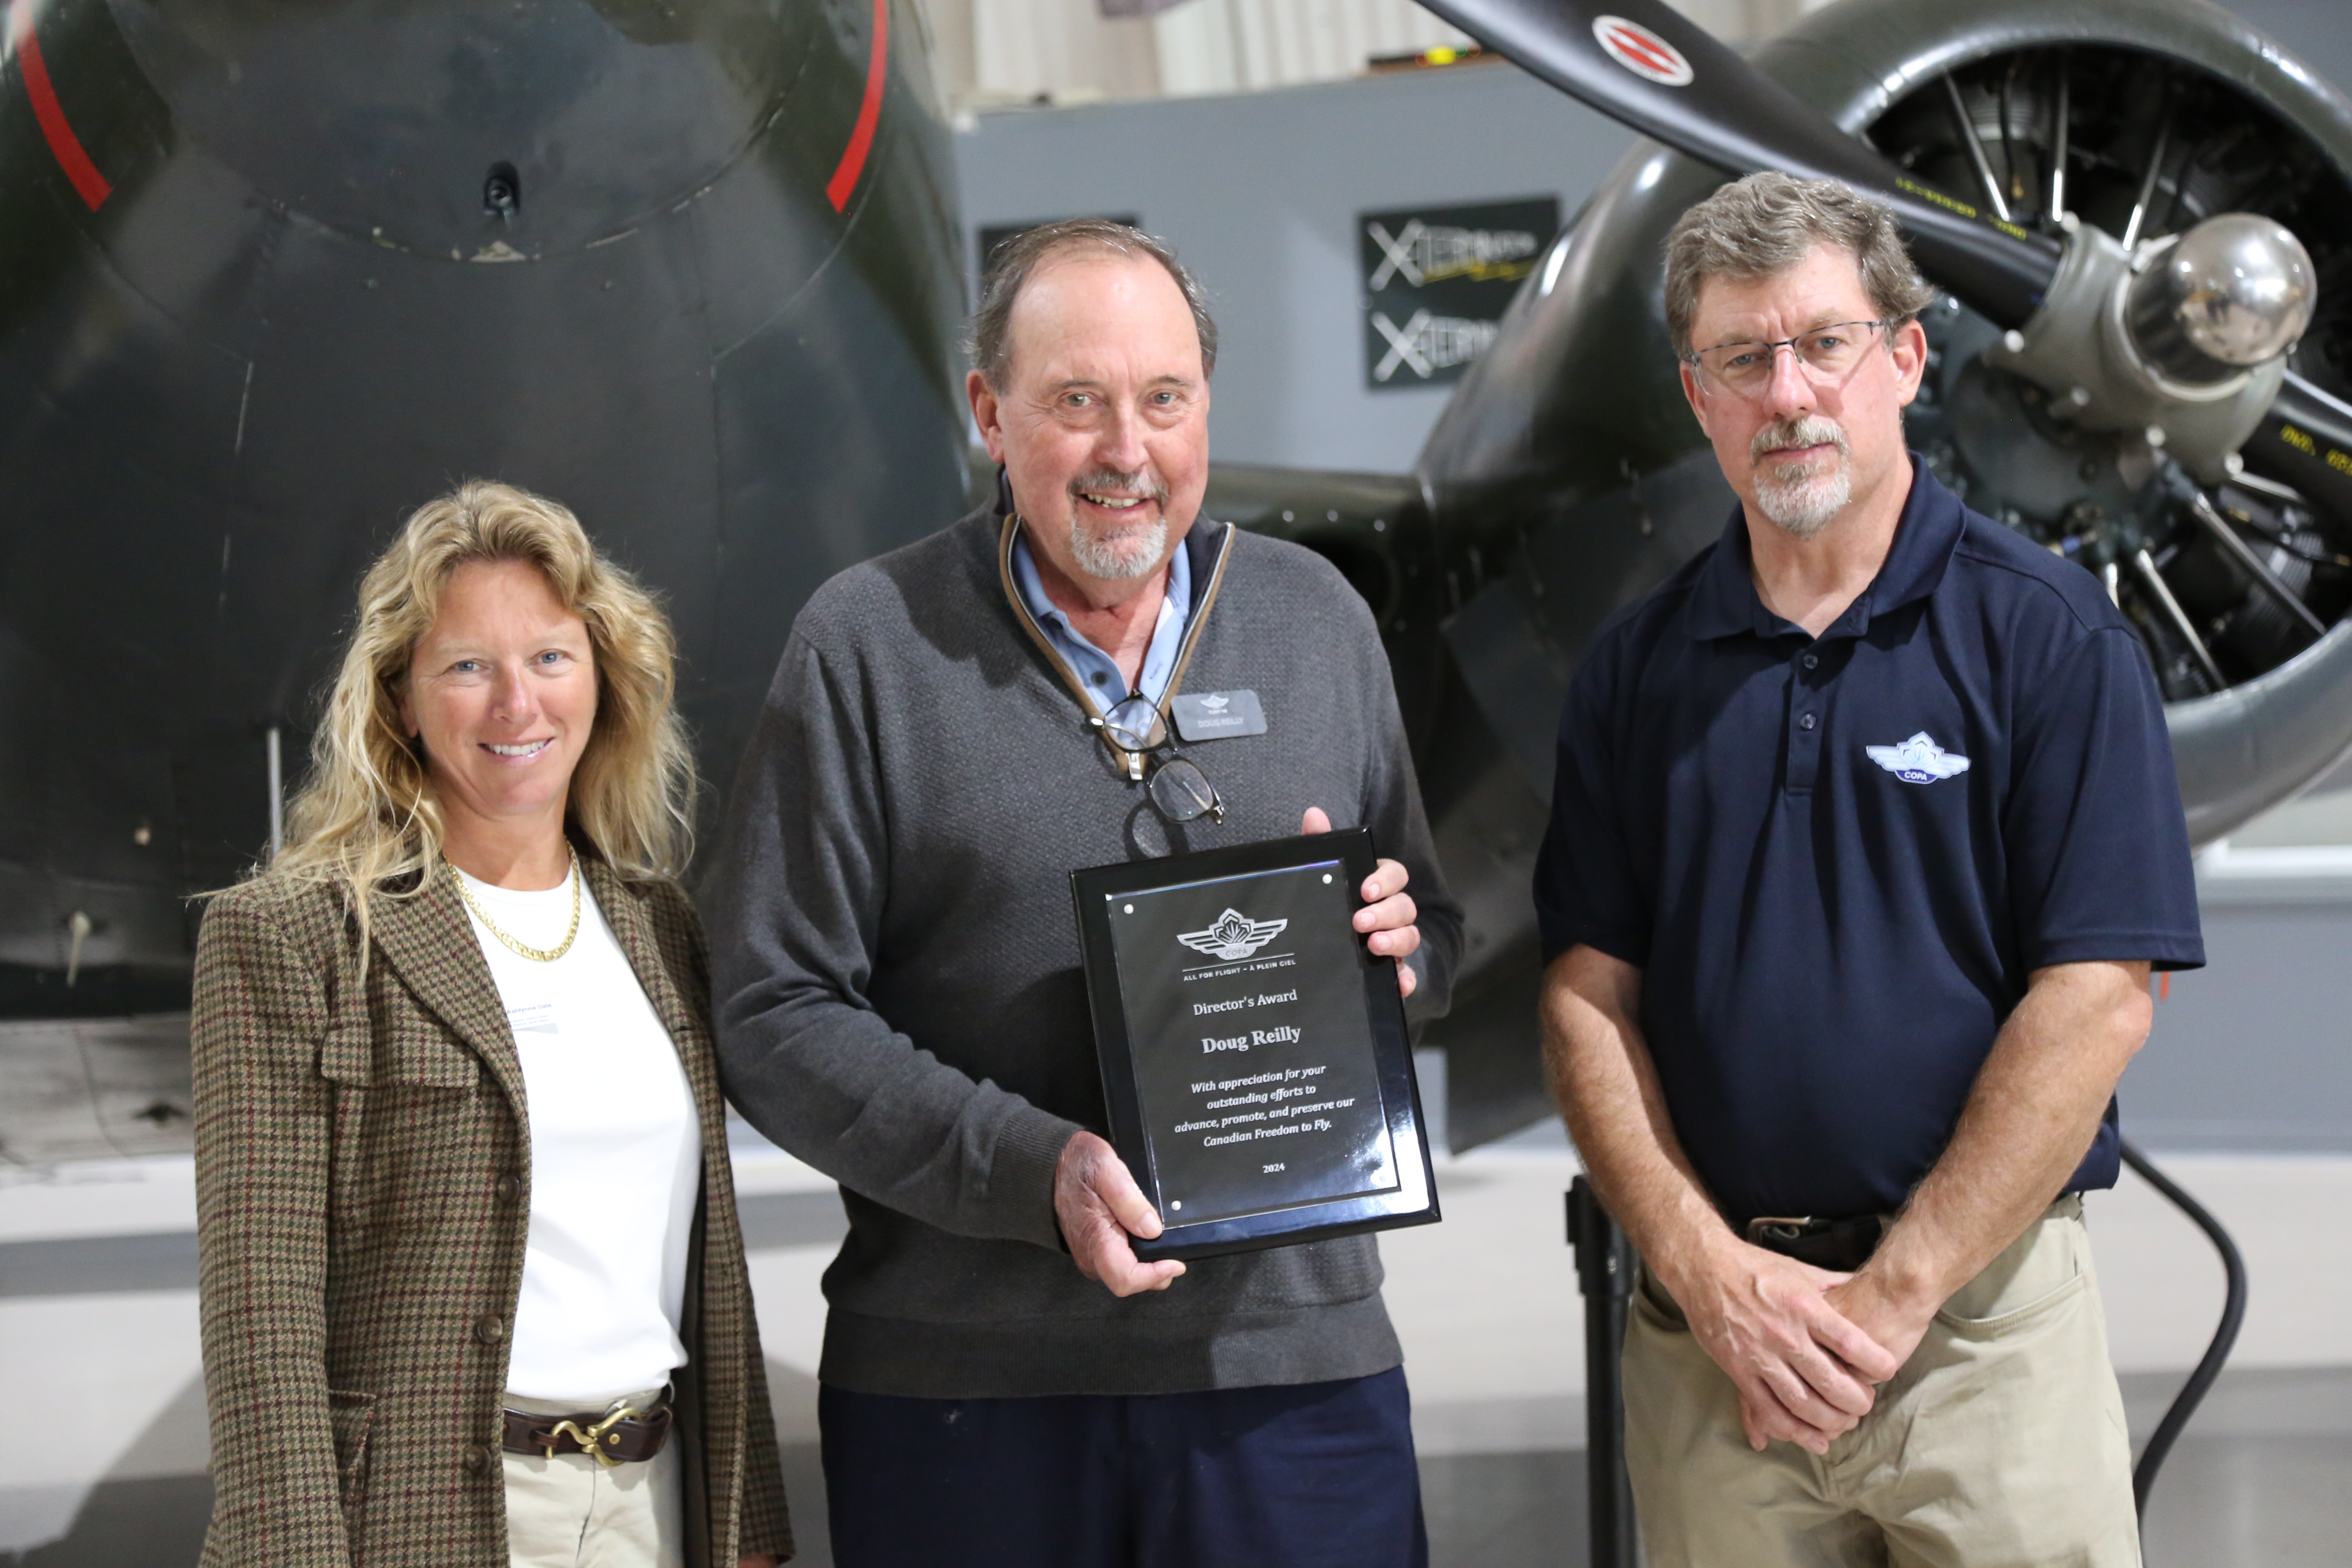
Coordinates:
1179 789
1827 355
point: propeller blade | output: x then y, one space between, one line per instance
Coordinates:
1645 65
2305 440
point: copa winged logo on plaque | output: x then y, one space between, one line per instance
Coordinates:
1235 935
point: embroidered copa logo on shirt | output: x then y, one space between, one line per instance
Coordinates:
1235 935
1918 760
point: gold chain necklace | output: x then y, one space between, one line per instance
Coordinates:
536 955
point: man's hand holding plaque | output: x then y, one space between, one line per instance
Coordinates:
1100 1207
1388 913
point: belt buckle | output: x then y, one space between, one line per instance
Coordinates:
594 1439
1783 1227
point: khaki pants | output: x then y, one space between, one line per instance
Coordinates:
2001 1443
570 1512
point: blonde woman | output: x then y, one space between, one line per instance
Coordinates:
473 1288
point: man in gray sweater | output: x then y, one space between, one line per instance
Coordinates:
900 1000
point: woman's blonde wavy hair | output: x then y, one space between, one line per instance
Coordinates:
366 820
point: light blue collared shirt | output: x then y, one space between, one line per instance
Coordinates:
1094 667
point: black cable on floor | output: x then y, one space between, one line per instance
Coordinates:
2233 1315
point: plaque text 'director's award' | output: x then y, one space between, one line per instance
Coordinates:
1254 1052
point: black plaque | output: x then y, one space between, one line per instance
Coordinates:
1254 1052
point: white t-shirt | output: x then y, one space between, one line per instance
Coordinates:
615 1156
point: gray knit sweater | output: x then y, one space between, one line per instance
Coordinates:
897 965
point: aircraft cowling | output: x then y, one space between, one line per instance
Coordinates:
1567 476
273 274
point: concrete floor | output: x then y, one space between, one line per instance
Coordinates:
98 1332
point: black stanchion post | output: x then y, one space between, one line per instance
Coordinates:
1604 1274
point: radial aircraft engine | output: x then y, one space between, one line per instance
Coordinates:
273 272
2140 213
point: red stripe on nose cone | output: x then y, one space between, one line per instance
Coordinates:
63 142
869 113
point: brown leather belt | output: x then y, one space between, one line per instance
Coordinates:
624 1436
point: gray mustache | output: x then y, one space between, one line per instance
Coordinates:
1111 481
1811 430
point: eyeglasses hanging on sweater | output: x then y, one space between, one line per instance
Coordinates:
1179 789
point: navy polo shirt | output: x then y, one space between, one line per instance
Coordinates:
1837 860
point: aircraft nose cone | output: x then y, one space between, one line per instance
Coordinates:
490 131
2242 288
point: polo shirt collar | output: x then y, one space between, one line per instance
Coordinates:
1724 601
1098 669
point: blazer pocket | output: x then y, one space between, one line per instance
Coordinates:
407 1105
427 1058
351 1415
409 1054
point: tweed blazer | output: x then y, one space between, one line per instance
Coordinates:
363 1199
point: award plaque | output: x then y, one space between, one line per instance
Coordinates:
1254 1054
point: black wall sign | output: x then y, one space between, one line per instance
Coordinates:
1436 280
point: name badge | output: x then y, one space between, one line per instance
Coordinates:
1217 715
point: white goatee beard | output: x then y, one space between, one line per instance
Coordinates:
1124 550
1128 551
1802 504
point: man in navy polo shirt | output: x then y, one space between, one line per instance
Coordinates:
1864 838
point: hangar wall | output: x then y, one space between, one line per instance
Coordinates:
2248 1053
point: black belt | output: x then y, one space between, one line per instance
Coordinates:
1840 1245
622 1436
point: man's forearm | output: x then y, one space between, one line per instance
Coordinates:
837 1086
2034 1110
1608 1092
